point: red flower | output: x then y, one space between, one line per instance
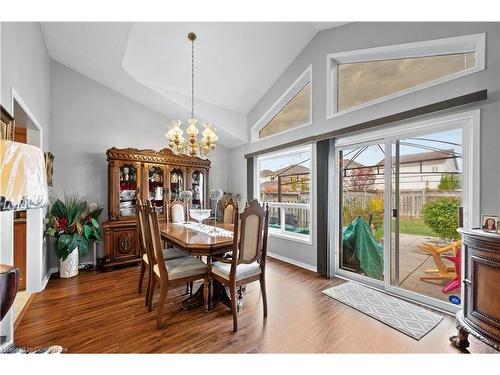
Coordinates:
62 223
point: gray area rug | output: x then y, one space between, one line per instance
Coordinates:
406 317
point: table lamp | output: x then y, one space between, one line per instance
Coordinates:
23 186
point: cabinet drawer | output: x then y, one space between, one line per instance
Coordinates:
125 244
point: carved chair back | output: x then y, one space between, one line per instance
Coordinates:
250 236
154 241
177 211
229 212
141 225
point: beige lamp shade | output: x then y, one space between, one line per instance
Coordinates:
23 181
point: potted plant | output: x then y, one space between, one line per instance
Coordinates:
74 223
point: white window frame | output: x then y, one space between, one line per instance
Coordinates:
461 44
289 94
281 233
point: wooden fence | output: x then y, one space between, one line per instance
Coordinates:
411 202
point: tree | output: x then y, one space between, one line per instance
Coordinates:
441 216
449 182
360 179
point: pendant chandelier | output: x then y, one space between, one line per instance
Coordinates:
191 146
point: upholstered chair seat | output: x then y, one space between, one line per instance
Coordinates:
182 267
169 253
243 271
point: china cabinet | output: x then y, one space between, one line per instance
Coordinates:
155 176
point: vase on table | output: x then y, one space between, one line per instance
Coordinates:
69 266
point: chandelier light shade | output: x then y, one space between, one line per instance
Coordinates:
191 145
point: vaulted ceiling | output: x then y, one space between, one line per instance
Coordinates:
150 63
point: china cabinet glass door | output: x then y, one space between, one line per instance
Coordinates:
176 183
155 187
128 189
198 189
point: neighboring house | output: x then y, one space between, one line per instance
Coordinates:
424 170
291 183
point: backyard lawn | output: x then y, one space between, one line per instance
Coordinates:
409 226
416 227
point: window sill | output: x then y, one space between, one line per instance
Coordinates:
291 237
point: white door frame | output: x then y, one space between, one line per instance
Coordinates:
36 280
469 123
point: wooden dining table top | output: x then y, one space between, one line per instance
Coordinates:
195 242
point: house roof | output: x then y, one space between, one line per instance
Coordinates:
287 171
351 163
266 173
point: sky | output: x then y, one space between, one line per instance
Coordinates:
373 154
283 161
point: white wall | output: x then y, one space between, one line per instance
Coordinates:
89 118
25 70
365 35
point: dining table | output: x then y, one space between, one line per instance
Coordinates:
202 240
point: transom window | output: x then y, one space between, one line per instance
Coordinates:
365 77
291 111
284 182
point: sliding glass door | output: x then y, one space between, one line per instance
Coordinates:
399 194
426 195
361 187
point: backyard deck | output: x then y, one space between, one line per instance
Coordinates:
413 262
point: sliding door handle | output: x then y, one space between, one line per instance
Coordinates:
394 212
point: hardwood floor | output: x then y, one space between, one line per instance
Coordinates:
85 317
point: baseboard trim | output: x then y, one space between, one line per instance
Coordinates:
293 261
47 277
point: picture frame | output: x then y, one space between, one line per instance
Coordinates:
7 125
489 223
49 167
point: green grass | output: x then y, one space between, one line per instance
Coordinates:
416 227
408 226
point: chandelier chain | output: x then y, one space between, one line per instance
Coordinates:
192 78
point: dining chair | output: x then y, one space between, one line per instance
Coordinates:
177 212
248 260
229 212
168 253
173 271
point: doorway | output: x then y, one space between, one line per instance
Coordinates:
27 224
397 225
20 135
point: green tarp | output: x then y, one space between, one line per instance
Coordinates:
290 228
358 240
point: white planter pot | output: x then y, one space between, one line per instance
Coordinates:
69 267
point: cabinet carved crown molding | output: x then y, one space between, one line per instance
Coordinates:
164 156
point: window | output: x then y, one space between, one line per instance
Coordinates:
284 182
291 111
365 77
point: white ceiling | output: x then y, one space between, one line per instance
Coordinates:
235 63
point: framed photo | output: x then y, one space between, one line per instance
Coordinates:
489 223
498 227
6 125
49 167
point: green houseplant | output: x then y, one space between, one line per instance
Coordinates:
74 223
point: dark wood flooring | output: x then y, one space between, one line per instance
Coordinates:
102 313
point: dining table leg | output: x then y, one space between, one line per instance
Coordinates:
216 293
